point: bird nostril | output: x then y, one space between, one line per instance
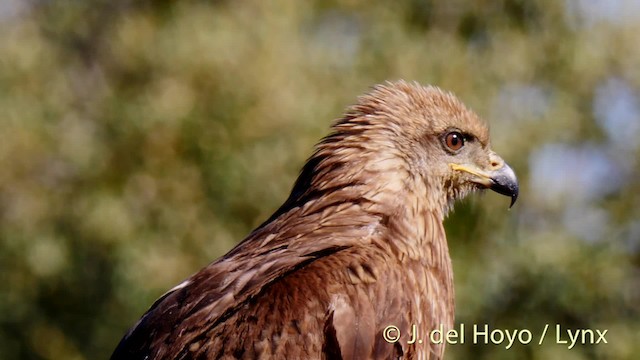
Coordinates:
495 164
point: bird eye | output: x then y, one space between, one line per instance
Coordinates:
454 141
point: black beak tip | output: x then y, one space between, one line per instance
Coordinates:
514 197
505 182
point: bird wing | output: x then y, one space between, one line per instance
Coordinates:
356 322
209 297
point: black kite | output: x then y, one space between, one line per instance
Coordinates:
358 245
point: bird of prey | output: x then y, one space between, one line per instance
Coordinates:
358 245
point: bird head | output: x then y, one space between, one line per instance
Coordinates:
441 143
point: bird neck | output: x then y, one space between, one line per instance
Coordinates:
374 174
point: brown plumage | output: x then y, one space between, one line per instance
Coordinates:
358 245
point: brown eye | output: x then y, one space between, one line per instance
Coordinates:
454 141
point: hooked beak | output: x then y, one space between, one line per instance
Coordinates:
502 180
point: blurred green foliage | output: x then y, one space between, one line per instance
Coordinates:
141 140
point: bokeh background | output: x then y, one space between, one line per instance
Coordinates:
139 140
